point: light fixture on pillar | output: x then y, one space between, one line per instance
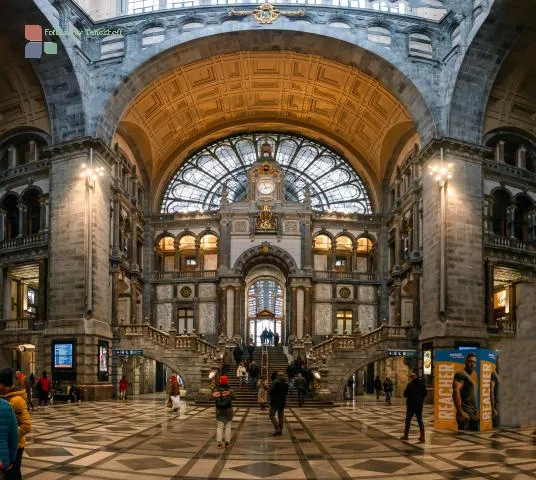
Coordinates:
90 173
442 172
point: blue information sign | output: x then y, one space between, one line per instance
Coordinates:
63 355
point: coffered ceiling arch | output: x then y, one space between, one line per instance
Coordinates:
351 110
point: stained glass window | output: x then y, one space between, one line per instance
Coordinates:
333 183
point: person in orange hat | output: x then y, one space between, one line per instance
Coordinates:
223 396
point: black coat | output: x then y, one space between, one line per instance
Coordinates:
278 393
415 394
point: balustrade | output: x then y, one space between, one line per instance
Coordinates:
323 274
27 240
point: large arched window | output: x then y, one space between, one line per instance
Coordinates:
333 183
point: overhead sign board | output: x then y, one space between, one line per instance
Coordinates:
126 352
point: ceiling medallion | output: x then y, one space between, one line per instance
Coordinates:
266 13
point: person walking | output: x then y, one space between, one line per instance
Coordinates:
300 384
123 385
16 396
264 336
388 389
377 386
237 354
415 393
23 382
241 373
42 388
254 372
270 337
223 397
251 349
278 399
262 392
276 339
9 437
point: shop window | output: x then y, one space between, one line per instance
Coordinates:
31 302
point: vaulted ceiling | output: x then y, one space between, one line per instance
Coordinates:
288 89
22 102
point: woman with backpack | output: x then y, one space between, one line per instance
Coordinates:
223 397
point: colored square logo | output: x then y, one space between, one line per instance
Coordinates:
33 50
33 33
50 48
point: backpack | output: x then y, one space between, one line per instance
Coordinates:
223 402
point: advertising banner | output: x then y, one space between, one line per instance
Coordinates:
488 365
463 389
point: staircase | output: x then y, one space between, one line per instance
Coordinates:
277 360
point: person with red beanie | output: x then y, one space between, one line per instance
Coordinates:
223 396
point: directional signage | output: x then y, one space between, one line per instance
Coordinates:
126 353
402 353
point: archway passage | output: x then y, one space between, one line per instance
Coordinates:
266 311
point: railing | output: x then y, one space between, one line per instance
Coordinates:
322 274
24 169
394 6
191 274
349 342
506 325
500 241
188 342
28 240
20 323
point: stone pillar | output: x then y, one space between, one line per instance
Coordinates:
134 240
499 151
300 308
489 320
177 257
42 306
2 225
307 244
510 220
23 219
307 330
489 203
42 213
236 323
224 244
415 231
6 276
293 311
11 156
463 276
230 311
333 256
34 151
115 223
222 311
521 157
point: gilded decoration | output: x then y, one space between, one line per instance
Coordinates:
267 168
266 220
266 13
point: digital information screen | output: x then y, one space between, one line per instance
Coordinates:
63 355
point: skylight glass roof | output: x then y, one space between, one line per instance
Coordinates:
265 295
333 183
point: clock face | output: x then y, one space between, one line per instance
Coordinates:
265 187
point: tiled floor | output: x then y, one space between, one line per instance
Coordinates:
140 439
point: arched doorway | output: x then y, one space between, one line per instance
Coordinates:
265 303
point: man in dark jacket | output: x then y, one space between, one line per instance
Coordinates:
414 393
237 354
278 399
251 349
254 372
388 389
300 385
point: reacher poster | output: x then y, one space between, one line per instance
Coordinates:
464 386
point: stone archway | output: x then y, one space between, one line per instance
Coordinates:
265 253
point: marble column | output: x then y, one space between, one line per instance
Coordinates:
23 218
307 244
134 241
237 303
11 156
42 213
510 220
42 302
222 311
300 307
490 287
293 311
307 330
6 274
230 310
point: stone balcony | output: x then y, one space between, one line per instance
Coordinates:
27 241
188 275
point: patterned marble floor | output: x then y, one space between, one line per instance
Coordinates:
140 439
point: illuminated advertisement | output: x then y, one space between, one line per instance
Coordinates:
103 360
427 362
63 355
463 381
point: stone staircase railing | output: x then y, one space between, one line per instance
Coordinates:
188 342
345 343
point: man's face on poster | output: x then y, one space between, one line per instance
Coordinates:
470 364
